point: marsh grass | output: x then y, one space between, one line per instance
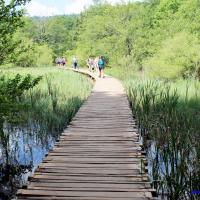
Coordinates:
55 100
169 123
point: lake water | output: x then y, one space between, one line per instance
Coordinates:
26 150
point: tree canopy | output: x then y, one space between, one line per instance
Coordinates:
10 20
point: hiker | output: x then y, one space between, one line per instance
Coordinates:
58 61
101 65
63 61
90 64
96 60
75 62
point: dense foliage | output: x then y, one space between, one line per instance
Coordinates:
158 37
43 39
10 20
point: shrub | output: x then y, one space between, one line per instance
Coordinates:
179 55
25 53
45 55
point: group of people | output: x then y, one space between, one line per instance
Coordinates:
61 61
94 64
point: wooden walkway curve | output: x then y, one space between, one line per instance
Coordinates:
98 156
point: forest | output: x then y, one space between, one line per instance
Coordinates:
159 38
152 46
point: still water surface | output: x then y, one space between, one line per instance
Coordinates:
26 150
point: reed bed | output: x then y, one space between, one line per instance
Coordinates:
168 115
54 101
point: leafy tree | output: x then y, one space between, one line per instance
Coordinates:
10 20
133 36
179 56
30 54
58 32
44 55
25 54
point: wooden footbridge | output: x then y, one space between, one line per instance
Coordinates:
98 157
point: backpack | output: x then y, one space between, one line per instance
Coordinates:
101 63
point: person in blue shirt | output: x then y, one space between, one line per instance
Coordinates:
101 65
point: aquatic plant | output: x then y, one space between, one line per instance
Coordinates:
168 116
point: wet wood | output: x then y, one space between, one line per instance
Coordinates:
98 157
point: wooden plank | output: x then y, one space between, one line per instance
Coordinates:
90 185
86 165
84 193
85 198
88 155
82 170
94 178
90 189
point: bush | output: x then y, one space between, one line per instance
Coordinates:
45 55
30 54
25 53
179 55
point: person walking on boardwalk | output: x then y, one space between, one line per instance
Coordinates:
96 60
64 61
58 61
75 62
101 65
90 64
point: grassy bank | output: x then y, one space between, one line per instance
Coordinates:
57 97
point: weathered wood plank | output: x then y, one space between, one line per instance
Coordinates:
84 198
90 185
84 193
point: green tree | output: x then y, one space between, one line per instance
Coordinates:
10 20
178 56
24 54
60 33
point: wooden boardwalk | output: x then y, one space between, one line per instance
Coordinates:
98 156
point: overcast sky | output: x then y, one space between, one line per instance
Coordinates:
57 7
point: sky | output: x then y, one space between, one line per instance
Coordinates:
60 7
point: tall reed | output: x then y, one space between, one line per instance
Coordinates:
169 122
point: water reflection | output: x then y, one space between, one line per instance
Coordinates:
21 151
